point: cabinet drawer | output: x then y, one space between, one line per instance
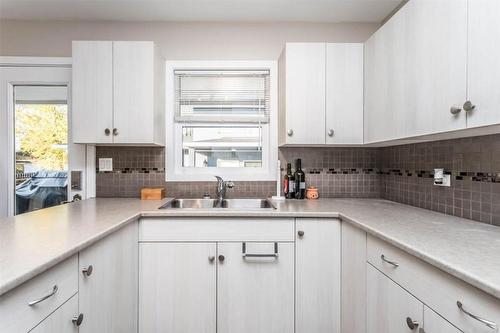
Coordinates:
437 289
216 229
15 313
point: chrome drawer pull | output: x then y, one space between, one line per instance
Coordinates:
259 255
489 323
41 299
393 263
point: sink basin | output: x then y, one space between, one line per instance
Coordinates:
236 204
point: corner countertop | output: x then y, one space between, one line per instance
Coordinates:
33 242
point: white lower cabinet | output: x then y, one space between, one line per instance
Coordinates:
65 319
390 308
255 287
434 323
108 283
317 275
177 287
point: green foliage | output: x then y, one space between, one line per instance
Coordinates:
40 131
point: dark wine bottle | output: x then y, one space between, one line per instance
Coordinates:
300 181
289 183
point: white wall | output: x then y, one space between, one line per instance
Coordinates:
177 41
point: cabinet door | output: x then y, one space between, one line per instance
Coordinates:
108 296
353 279
60 320
92 98
416 70
483 69
133 87
317 273
344 93
389 305
305 93
434 323
255 295
177 287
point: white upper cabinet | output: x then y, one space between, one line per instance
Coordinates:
483 69
321 94
92 99
302 72
344 93
118 94
416 71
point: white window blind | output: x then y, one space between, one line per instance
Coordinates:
222 96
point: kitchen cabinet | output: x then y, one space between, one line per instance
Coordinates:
317 275
416 71
118 93
255 287
353 292
320 94
390 308
177 287
344 93
108 281
434 323
65 319
483 70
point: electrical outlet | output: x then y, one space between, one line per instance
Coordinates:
105 164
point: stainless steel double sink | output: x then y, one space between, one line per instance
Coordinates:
235 204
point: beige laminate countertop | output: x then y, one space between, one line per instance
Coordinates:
33 242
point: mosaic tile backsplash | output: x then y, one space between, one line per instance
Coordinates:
400 173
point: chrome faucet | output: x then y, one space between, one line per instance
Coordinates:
221 188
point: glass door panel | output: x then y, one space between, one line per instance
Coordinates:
41 146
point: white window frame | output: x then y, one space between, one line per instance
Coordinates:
174 169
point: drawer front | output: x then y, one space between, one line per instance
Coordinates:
61 319
437 289
216 229
15 313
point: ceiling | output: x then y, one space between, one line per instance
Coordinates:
201 10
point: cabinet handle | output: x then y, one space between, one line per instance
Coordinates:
412 324
258 255
468 106
390 262
88 270
454 110
331 132
290 132
115 131
43 298
300 233
107 131
221 258
77 321
211 258
489 323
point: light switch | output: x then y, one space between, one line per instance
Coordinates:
105 164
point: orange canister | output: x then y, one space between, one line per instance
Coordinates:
312 193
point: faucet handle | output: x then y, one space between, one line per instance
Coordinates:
229 184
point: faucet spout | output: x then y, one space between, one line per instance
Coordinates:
221 188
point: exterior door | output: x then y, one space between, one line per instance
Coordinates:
255 294
36 138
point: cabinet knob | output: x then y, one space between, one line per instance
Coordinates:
468 106
77 321
115 131
290 132
107 131
88 270
211 258
412 324
455 110
221 258
330 132
300 233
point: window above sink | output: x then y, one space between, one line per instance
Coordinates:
221 119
